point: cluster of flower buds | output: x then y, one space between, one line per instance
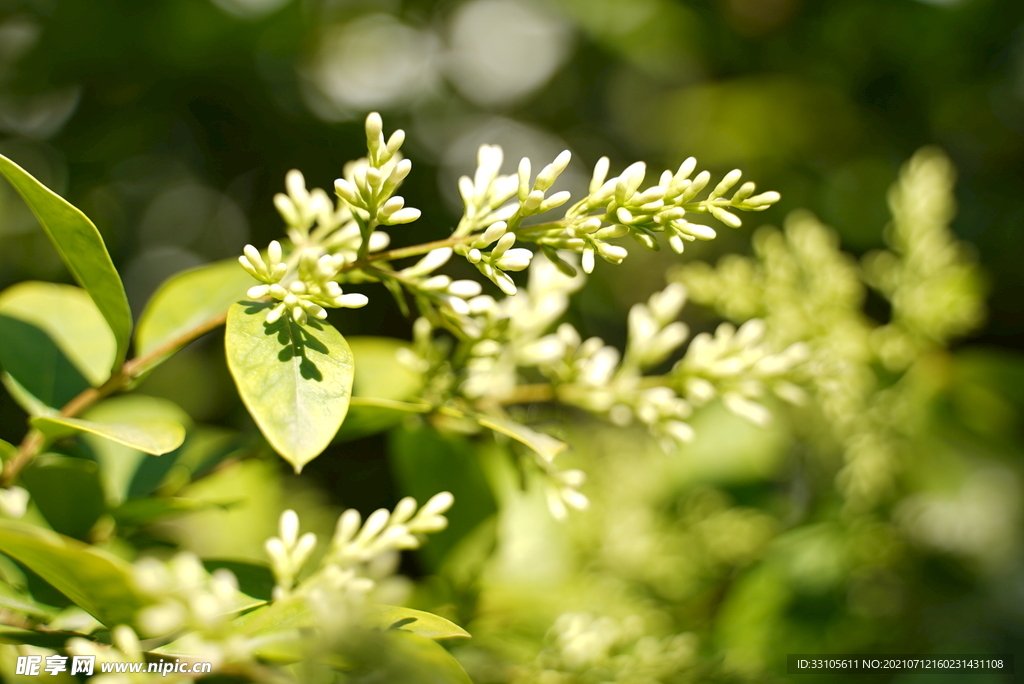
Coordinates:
369 184
485 196
440 290
185 595
502 256
312 220
356 542
736 365
313 288
563 492
288 552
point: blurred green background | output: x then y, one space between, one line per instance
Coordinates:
171 123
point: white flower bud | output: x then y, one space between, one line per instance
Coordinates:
474 256
587 262
407 215
506 241
680 431
351 301
726 183
438 282
495 231
727 217
464 288
747 409
600 173
438 504
515 260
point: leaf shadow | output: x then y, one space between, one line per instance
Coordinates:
295 340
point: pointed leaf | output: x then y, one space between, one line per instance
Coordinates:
121 465
152 436
415 621
546 446
81 247
296 380
98 582
189 300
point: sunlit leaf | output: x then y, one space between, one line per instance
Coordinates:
546 446
95 580
152 436
296 380
188 300
414 621
67 492
70 318
81 247
126 469
407 658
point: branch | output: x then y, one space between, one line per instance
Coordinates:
131 370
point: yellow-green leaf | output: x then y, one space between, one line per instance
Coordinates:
408 620
98 582
70 318
151 436
296 380
81 247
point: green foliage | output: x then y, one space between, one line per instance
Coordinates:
674 510
295 379
81 247
95 580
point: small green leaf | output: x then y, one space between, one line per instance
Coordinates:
188 300
296 380
6 450
127 470
98 582
151 509
67 492
81 247
69 317
415 621
153 436
546 446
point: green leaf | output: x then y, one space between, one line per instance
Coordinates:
151 509
296 380
36 372
189 300
67 492
546 446
95 580
68 316
415 621
51 640
153 436
403 657
12 599
6 450
125 469
381 389
81 247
